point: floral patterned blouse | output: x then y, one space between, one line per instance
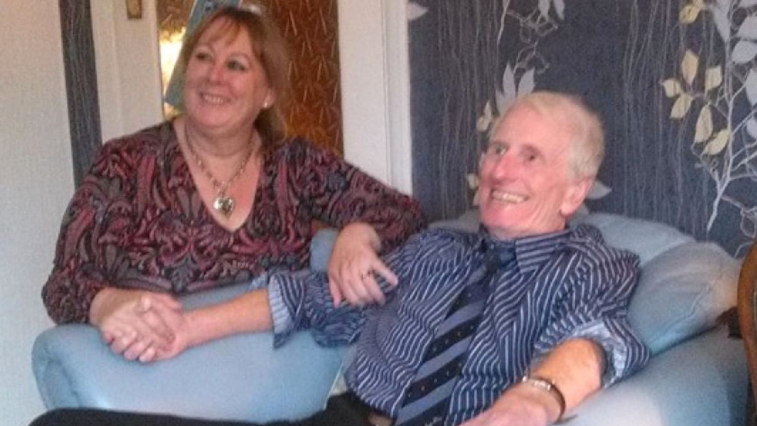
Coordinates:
137 221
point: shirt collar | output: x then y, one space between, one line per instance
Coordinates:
530 252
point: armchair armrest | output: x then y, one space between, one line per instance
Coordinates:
240 377
701 382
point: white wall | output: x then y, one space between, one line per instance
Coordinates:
36 182
128 71
375 87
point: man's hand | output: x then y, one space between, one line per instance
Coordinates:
135 323
248 313
576 365
182 326
353 263
520 405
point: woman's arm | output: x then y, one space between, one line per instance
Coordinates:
86 258
373 218
90 258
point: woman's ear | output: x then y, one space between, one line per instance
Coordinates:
270 99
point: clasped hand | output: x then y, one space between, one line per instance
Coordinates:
140 325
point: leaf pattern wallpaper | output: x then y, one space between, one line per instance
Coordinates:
675 82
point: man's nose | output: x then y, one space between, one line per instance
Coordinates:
506 167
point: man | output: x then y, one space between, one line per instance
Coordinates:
512 326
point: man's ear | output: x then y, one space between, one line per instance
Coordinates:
577 192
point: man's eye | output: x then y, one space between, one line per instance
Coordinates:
498 150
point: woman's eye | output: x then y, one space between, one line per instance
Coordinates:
202 56
236 66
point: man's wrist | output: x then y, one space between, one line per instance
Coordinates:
549 386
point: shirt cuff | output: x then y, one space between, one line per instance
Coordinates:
616 350
283 323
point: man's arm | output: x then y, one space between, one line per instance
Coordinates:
289 301
588 344
248 313
574 367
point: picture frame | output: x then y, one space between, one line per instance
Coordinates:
134 9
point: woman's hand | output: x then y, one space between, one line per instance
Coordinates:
353 264
135 323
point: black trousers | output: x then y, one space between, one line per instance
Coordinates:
342 410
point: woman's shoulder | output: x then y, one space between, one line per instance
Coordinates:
293 145
299 151
123 154
144 140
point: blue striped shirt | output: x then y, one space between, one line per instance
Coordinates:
563 285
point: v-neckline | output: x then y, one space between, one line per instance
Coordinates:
185 168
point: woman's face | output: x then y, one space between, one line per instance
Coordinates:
225 85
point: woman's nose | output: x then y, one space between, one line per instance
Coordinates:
216 72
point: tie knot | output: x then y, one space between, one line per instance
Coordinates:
498 254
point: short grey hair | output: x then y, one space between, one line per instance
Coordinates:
587 143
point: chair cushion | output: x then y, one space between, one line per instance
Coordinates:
320 248
684 285
239 377
645 238
681 293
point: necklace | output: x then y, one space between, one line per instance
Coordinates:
222 203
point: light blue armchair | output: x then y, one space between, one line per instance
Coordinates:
696 377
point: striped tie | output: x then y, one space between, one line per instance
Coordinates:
426 399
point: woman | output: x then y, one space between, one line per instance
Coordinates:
215 196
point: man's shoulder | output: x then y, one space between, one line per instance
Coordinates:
442 242
587 241
447 236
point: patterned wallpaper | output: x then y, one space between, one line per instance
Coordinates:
674 80
310 27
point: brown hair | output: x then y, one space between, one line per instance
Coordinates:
270 47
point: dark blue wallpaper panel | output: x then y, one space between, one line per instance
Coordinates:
675 82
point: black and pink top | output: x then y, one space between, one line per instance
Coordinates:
137 221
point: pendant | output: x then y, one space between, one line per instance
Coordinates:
223 205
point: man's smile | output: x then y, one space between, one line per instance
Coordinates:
507 197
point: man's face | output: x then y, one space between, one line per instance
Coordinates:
526 186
